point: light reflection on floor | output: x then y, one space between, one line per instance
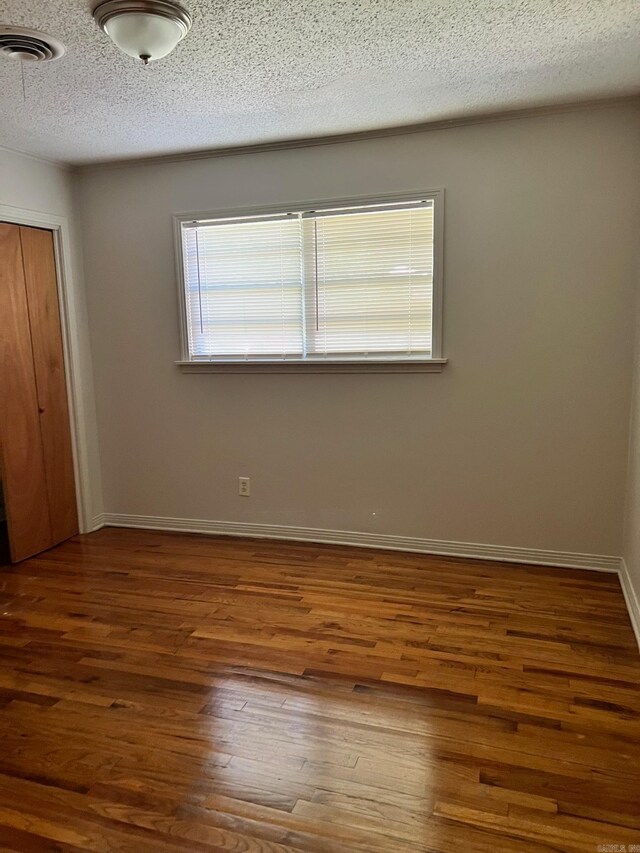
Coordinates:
344 752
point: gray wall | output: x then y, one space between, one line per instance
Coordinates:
631 550
521 441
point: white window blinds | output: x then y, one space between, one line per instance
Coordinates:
243 286
373 285
348 283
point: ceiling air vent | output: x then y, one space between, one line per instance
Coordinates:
28 45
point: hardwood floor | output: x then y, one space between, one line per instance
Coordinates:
166 692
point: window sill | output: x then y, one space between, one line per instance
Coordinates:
427 365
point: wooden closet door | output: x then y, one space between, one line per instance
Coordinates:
38 256
23 470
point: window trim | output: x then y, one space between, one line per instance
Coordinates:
434 364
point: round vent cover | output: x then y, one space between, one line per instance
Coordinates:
28 45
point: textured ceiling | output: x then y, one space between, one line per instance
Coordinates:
260 70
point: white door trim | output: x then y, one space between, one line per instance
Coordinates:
68 302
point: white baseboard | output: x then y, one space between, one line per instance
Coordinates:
503 553
96 523
438 547
633 605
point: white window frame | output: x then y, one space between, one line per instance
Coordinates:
432 364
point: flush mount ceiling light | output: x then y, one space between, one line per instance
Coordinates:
28 45
144 29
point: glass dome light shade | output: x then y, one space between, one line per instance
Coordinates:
143 36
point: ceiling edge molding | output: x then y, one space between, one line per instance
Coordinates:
357 136
49 161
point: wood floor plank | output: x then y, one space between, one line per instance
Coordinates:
173 692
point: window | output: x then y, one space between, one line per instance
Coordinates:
340 285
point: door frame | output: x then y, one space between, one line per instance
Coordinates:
68 300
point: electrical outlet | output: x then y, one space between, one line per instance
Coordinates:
244 486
